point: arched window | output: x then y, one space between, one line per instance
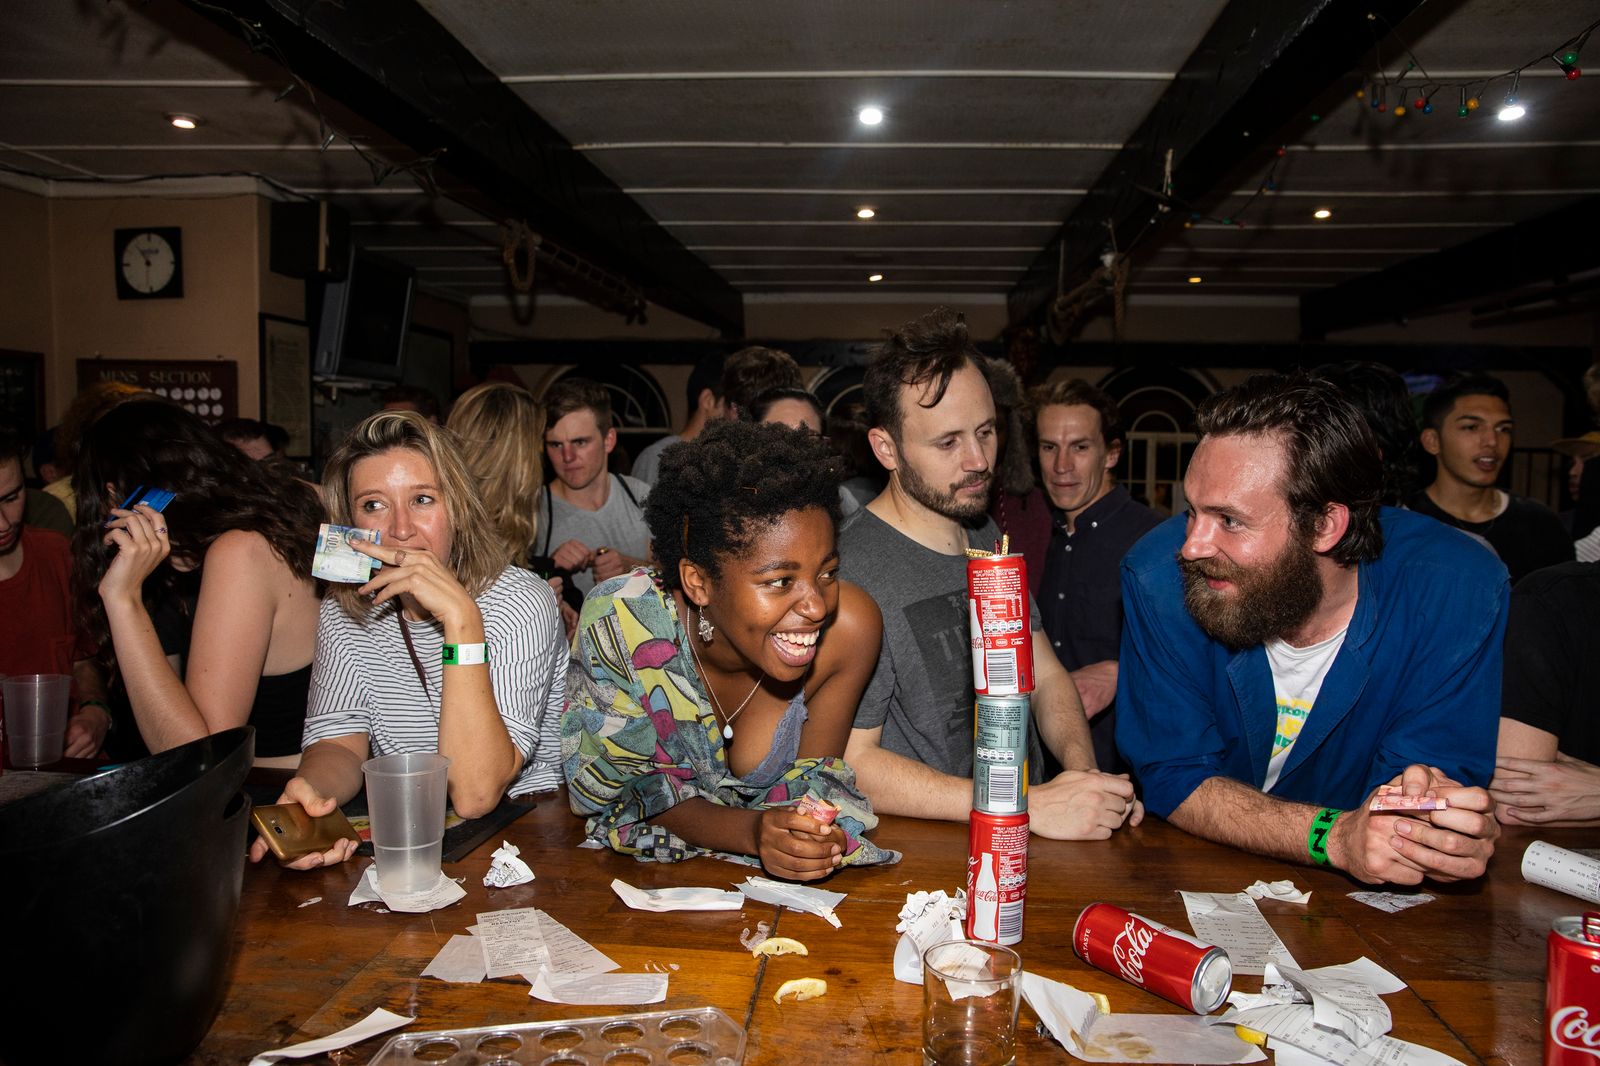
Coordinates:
1157 405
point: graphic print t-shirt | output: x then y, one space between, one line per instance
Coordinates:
921 692
1297 675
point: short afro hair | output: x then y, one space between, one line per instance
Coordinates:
721 490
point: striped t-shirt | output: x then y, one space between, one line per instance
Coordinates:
364 681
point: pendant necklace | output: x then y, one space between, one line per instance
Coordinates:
727 719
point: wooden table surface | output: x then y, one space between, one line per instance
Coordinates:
1474 957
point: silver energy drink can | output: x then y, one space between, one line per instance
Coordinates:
1000 754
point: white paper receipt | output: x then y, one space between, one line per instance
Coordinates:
1233 922
1563 870
1393 902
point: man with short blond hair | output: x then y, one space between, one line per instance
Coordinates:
592 521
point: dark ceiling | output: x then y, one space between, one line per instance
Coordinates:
692 153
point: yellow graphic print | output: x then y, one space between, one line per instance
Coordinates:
1291 717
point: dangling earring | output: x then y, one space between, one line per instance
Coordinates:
706 629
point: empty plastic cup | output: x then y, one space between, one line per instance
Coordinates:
406 796
36 718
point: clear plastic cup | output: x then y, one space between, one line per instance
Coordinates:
36 718
406 797
970 994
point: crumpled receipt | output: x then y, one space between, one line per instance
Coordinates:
505 869
677 899
818 901
925 920
1074 1020
1344 999
444 892
1282 891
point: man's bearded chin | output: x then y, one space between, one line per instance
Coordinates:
947 503
1266 602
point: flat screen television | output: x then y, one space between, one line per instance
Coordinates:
362 324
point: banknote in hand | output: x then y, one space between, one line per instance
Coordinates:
337 561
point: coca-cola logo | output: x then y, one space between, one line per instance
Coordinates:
1128 950
1570 1027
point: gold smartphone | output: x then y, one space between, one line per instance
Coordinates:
290 832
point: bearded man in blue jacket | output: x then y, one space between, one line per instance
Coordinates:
1291 649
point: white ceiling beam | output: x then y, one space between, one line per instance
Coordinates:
812 146
834 75
735 190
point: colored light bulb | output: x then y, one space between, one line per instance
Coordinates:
1472 103
1399 109
1462 111
1427 109
1361 94
1573 73
1420 103
1568 58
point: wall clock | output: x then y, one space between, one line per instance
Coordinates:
149 262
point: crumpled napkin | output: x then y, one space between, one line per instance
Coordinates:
926 919
505 869
1282 891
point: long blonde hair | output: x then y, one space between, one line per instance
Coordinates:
500 428
476 555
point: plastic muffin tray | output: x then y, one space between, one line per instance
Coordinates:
700 1037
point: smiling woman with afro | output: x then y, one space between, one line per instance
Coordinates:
711 694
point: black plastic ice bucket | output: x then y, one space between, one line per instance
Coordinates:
118 895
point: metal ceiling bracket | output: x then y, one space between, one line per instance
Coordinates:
1258 65
393 63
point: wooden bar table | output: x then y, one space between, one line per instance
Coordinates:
1474 957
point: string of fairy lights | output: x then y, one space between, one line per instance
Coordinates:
1413 91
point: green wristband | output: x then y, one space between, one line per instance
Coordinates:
465 654
1317 839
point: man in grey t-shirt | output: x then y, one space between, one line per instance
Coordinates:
592 521
932 419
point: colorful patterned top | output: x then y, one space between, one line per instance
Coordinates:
638 736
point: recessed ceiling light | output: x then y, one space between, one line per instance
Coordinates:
865 212
874 277
182 121
1322 214
870 116
1511 112
1194 279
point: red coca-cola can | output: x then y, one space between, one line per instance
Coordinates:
997 876
1572 991
997 612
1159 959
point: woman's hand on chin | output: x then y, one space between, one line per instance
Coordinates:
419 575
143 543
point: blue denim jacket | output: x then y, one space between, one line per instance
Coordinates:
1417 679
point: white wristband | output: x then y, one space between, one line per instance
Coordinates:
466 654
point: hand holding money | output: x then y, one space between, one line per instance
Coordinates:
336 560
1449 843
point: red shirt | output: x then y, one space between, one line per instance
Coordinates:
37 632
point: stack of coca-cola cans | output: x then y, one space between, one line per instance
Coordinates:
1002 673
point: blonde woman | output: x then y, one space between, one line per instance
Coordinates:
448 648
500 428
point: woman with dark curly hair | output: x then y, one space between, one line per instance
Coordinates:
248 528
709 694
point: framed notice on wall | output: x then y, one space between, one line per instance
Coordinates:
209 388
22 391
286 380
